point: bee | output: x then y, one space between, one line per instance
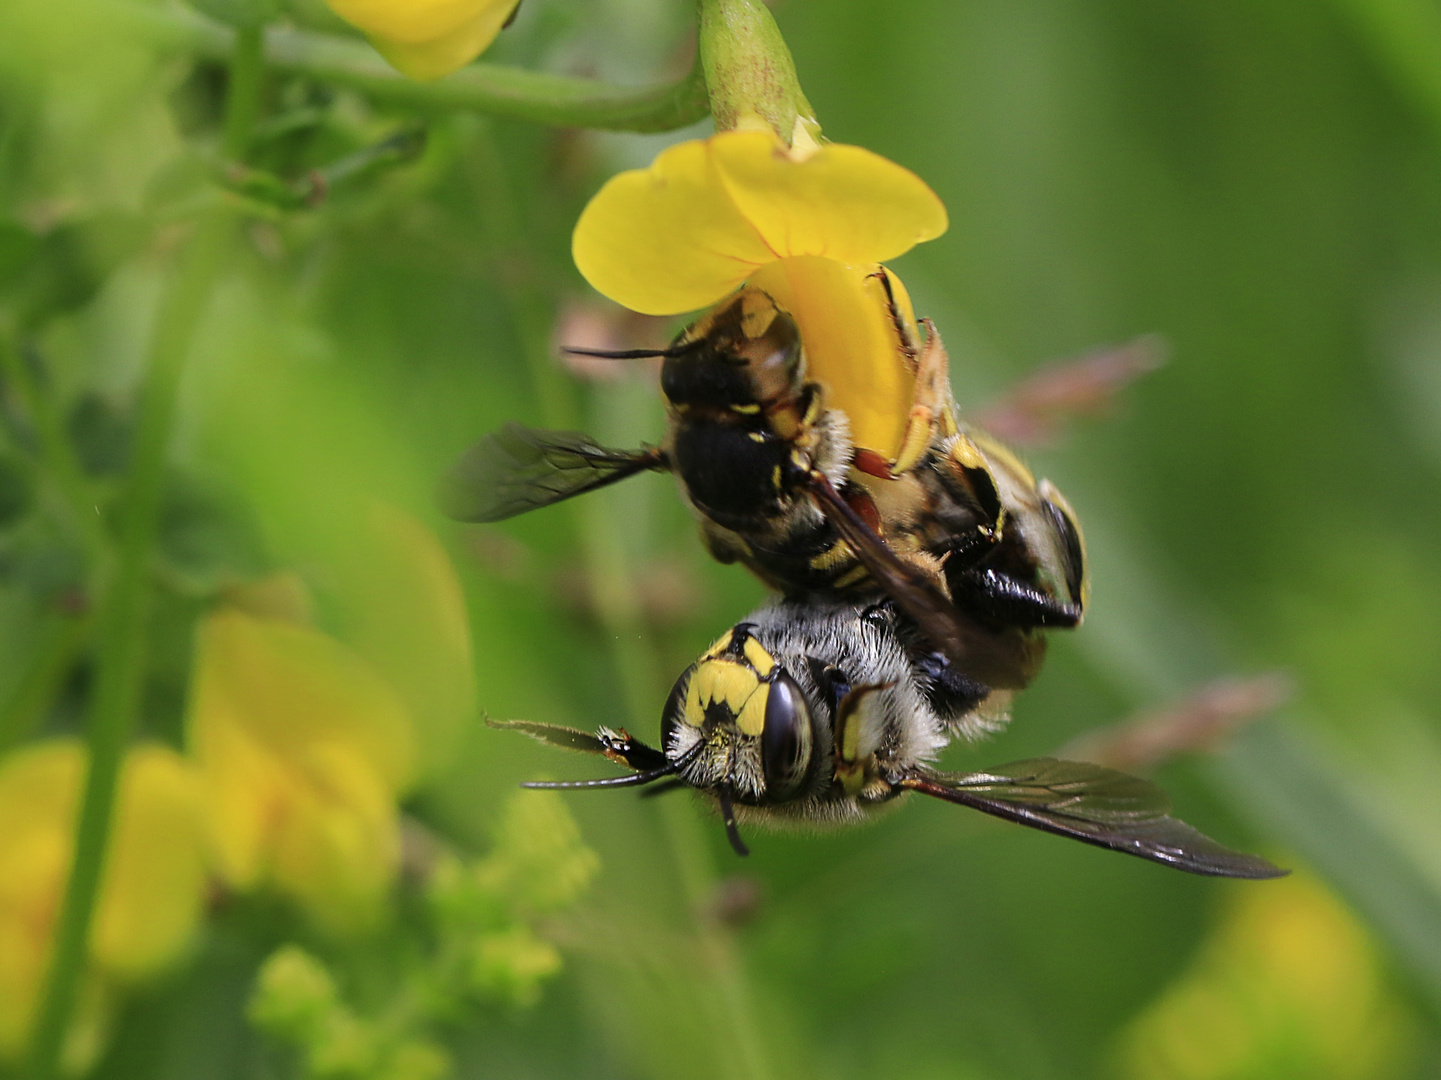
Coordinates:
827 712
955 529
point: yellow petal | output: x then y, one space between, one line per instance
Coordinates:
433 57
304 749
150 896
681 234
292 686
154 884
245 797
417 21
406 615
38 788
852 347
668 238
840 201
339 847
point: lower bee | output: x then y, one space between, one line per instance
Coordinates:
812 712
954 528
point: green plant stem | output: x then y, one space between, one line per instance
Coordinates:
485 88
247 67
121 622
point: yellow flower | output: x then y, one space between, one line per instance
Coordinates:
426 39
150 899
1288 985
808 225
304 751
709 213
403 609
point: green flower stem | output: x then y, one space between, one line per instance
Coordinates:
485 88
122 618
749 70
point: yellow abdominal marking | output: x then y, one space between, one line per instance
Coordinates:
838 554
747 409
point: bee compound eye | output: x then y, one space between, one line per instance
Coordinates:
672 716
775 358
786 739
1068 531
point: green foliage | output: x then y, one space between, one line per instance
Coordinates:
475 943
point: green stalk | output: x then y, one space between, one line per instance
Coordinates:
749 71
121 651
485 88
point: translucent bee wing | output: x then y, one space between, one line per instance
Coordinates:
1002 660
517 469
1092 804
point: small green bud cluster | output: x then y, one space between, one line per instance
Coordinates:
479 943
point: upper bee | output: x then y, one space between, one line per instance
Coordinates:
953 528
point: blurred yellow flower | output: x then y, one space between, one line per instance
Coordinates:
709 213
304 750
403 609
808 225
426 39
150 899
1288 985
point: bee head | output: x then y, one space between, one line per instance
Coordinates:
746 351
744 727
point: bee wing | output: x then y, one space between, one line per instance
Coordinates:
517 469
1092 804
1002 660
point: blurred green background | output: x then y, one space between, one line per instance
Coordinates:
1259 183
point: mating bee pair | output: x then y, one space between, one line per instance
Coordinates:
914 592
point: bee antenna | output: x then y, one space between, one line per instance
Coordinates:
634 354
728 815
633 780
650 776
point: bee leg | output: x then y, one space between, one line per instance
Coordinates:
1007 601
930 403
905 332
860 723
